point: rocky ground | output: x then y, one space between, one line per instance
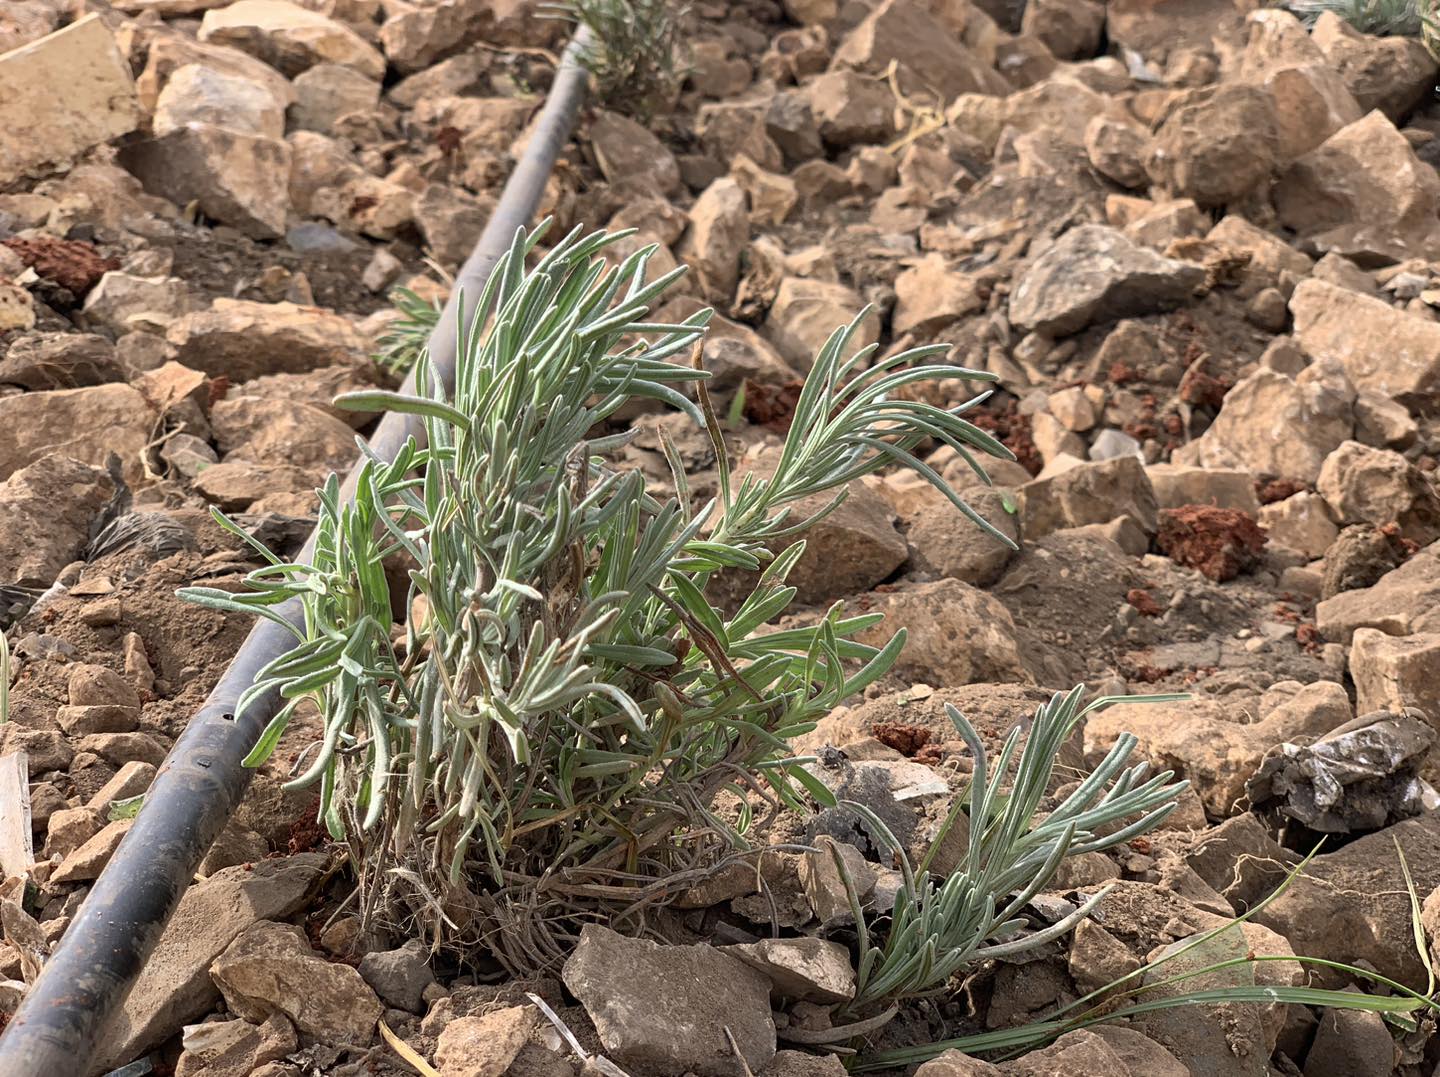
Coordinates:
1197 245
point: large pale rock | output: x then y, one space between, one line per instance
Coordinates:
1217 744
238 179
328 91
807 311
805 969
281 433
1275 425
669 1006
958 634
450 220
1234 1038
1395 672
1367 485
719 230
945 543
197 93
290 37
175 987
47 511
1406 600
929 294
242 339
1217 145
1385 350
271 968
1393 74
1094 274
929 58
1180 484
123 302
1094 492
1272 260
628 153
850 108
1069 31
1312 101
853 548
1363 193
88 424
170 51
60 95
1301 522
484 1045
60 360
1353 904
234 1048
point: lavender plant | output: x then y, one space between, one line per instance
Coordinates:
557 726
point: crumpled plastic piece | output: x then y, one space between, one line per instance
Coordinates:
1356 779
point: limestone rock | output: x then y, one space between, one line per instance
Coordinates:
242 339
271 968
958 634
1217 744
123 302
1271 258
1392 74
238 179
1231 1038
1385 350
48 115
1367 485
88 424
234 1048
804 969
930 58
1275 425
1122 1052
669 1006
955 1064
198 93
627 153
806 311
719 231
943 542
1094 274
17 308
850 109
1117 150
484 1045
1069 31
1395 672
328 91
1352 904
930 294
289 37
399 976
1217 145
451 222
1362 193
1351 1043
1181 484
46 513
1089 493
1301 522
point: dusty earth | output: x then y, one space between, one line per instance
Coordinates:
1197 244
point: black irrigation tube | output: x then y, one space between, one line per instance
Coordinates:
85 981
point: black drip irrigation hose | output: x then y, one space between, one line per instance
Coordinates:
86 980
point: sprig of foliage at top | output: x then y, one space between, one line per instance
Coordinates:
1383 18
398 348
636 57
567 705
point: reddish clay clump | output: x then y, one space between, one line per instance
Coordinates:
1012 429
772 406
1274 490
1143 601
904 738
73 265
1221 543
